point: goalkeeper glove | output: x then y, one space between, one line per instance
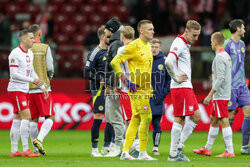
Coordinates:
130 85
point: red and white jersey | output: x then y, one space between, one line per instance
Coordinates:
180 59
21 70
125 70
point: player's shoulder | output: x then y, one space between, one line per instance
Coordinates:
178 42
120 49
15 52
227 42
93 53
242 42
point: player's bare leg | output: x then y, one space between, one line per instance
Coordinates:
231 115
245 149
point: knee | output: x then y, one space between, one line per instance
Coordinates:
196 118
52 117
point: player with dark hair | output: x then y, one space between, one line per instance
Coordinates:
21 74
94 71
240 96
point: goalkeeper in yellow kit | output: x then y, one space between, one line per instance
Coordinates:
139 56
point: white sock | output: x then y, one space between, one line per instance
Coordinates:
46 127
175 135
186 132
15 135
155 148
212 134
33 133
228 139
24 131
137 144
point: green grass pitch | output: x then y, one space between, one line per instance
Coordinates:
72 148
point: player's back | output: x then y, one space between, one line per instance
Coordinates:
39 63
221 70
21 60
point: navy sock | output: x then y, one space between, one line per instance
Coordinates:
156 119
231 122
245 131
108 134
95 132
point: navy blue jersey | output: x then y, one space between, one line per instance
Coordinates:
95 67
161 84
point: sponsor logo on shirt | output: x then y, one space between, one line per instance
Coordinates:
191 108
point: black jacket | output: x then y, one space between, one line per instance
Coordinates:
115 43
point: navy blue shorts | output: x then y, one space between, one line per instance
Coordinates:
239 98
98 101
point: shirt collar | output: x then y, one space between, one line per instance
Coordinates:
22 49
37 41
220 50
180 36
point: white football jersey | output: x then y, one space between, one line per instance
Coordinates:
180 58
23 61
125 70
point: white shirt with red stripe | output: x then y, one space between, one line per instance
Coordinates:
125 70
179 59
21 70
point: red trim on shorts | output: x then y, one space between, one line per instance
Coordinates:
175 57
13 65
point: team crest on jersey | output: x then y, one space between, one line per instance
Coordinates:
145 108
12 60
243 50
24 103
175 49
160 66
100 108
191 108
27 59
229 103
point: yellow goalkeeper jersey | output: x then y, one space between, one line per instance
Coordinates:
140 60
